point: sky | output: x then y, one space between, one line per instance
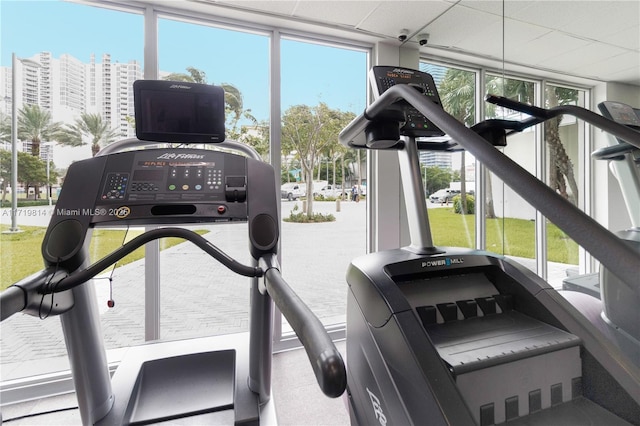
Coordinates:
309 72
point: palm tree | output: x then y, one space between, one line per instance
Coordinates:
88 126
458 99
561 167
5 127
35 124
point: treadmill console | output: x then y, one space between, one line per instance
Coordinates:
416 124
621 113
159 186
162 183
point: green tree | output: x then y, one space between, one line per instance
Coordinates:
560 170
458 99
88 127
309 131
436 178
5 128
35 124
5 171
561 173
32 171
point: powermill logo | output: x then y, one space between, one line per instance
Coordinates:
174 156
179 86
447 261
403 71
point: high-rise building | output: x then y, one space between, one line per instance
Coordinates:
66 87
440 159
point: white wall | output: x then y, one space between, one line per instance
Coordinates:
387 213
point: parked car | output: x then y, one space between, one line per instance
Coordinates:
331 191
293 191
443 196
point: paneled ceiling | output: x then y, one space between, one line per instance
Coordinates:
596 40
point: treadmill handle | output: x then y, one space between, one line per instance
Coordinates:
12 301
325 358
25 294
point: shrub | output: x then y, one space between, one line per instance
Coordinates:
302 217
471 204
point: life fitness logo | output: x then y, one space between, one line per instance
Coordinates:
377 408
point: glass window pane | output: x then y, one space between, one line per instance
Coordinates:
447 176
510 221
199 296
316 105
564 139
69 70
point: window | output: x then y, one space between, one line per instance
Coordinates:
512 226
565 150
452 217
56 59
212 297
510 220
319 100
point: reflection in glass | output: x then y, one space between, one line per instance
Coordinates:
453 225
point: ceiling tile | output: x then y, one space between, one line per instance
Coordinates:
626 38
278 7
392 16
618 65
584 56
461 23
341 12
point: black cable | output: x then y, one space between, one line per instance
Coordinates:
48 283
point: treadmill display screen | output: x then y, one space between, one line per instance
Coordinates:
172 111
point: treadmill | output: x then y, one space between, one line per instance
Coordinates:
213 380
455 336
624 163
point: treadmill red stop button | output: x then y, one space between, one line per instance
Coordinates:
222 209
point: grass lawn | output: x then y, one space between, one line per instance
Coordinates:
513 237
20 253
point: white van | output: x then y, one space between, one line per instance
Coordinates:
293 191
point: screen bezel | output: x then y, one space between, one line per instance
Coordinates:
144 129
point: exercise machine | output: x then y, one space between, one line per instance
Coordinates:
624 162
455 336
216 380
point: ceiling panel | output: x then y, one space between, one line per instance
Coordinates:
584 38
280 7
340 12
626 38
460 23
392 16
